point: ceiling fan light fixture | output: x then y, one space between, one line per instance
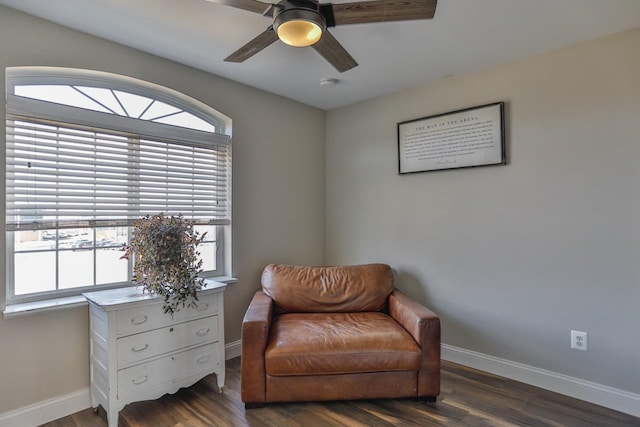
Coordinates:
299 27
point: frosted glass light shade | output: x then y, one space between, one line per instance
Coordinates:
299 33
299 27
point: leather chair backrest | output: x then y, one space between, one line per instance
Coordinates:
328 289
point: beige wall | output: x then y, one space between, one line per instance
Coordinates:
512 257
278 196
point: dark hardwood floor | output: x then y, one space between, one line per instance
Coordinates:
469 398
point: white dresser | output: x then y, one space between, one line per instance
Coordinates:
137 352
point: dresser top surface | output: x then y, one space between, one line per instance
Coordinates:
112 298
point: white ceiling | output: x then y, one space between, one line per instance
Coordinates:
465 35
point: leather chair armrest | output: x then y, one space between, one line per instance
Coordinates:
255 333
424 326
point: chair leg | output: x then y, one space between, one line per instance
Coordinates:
254 405
427 399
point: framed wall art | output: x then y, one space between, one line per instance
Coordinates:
458 139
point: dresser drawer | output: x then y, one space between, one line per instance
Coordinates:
134 348
151 316
144 377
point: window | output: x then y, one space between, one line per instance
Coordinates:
87 153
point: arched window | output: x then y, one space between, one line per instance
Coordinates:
89 152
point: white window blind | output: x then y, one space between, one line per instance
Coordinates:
62 175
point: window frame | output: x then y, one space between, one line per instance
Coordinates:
16 105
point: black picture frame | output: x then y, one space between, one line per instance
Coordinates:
465 138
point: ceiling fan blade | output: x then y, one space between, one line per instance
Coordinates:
383 10
263 40
334 53
250 5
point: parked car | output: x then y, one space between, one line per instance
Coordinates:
65 234
48 235
82 244
107 243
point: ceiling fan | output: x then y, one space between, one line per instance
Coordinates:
302 23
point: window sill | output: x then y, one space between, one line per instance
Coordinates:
27 308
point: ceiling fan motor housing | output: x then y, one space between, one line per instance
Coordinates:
299 24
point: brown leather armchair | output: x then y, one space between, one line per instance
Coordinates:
337 333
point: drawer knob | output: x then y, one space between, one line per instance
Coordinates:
203 358
202 306
202 332
139 320
140 348
140 380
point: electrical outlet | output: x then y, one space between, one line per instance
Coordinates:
579 340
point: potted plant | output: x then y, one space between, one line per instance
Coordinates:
165 259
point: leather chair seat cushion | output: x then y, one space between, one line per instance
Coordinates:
339 343
343 289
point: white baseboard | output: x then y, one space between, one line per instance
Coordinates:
232 349
47 410
61 406
599 394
